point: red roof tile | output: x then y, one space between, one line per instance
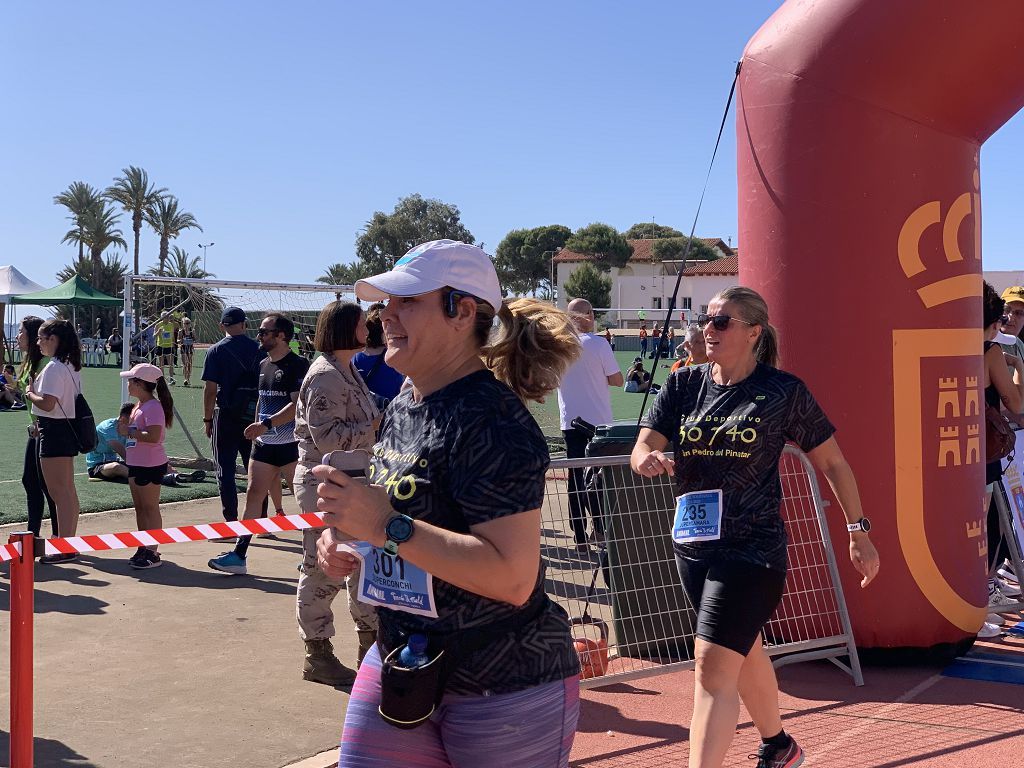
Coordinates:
642 250
730 265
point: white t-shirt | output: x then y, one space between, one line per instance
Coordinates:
584 389
63 382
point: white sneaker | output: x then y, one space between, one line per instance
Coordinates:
994 618
989 631
172 381
1008 588
1006 571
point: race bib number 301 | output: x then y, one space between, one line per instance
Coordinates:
698 517
389 581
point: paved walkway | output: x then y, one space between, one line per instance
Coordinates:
184 667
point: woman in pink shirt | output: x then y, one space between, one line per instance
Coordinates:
144 449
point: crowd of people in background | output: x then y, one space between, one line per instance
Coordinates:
433 370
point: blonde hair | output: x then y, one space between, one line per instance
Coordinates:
754 309
532 347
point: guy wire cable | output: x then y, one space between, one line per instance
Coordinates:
686 250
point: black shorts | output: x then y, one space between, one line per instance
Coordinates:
56 438
278 455
164 351
147 475
733 599
94 471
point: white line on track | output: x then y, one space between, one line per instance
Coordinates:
77 474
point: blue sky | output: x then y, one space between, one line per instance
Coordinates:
283 127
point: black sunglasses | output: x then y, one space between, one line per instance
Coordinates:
718 322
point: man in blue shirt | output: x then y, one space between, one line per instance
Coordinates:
231 373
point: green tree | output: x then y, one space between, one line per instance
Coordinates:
96 230
343 274
168 221
523 257
602 242
134 193
587 282
650 231
415 219
672 249
79 198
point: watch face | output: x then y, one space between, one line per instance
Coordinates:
865 524
399 528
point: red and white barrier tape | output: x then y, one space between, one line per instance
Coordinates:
202 532
10 551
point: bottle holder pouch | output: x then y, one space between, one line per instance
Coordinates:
408 697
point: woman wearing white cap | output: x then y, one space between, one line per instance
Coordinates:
144 451
453 516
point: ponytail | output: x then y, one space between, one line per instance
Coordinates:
754 310
532 347
767 348
163 394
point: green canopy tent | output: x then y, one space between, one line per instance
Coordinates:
75 292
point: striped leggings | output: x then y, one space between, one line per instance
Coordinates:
533 728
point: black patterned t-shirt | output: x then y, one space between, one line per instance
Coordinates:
466 454
731 437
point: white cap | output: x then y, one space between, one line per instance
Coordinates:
434 265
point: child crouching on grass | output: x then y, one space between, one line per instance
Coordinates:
144 449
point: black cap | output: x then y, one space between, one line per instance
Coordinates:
232 316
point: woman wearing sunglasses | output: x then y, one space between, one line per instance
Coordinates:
729 420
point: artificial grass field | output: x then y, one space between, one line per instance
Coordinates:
102 389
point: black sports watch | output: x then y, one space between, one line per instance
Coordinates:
861 525
398 530
268 423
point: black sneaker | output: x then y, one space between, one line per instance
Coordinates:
769 756
145 558
58 558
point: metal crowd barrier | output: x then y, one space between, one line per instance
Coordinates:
623 593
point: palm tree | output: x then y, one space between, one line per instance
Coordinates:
168 222
343 274
78 198
196 301
133 192
97 230
180 264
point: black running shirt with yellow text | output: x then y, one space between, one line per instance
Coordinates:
731 437
466 454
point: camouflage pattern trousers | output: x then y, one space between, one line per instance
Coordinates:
317 591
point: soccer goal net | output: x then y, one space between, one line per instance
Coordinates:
156 309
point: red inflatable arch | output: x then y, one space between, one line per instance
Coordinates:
859 126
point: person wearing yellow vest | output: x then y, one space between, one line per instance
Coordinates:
166 336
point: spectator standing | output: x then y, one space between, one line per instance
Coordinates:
643 339
230 394
52 396
273 430
334 412
383 381
609 338
32 363
583 393
144 451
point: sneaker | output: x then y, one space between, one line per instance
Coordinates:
1005 571
172 382
229 562
769 756
18 407
145 558
185 383
1008 588
996 598
989 631
994 618
195 476
58 558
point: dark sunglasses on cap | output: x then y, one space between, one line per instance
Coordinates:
718 322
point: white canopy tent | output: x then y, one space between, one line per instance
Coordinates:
12 283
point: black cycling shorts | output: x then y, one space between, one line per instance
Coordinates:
734 600
277 455
147 475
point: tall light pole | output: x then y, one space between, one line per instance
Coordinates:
204 247
552 278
